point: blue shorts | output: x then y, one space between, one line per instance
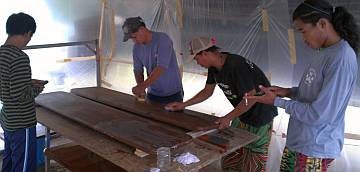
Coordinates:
20 150
177 97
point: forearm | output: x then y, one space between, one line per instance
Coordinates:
23 94
320 111
139 77
21 91
283 92
305 112
155 74
201 96
293 92
241 108
20 87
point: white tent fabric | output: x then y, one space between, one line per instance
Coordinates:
258 30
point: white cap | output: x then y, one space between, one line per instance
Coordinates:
200 44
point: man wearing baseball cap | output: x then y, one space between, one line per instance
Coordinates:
155 52
235 75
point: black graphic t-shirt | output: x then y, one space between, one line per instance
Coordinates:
237 77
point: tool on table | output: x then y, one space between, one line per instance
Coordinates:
140 98
226 133
215 140
212 138
196 134
209 146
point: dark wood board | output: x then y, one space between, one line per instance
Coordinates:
119 154
187 119
130 129
78 159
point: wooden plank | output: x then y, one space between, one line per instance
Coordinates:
130 129
265 20
104 146
75 59
186 119
352 136
292 45
78 159
118 153
207 155
212 168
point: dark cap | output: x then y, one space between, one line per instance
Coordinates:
131 25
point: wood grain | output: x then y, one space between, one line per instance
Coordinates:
78 159
101 144
187 119
130 129
119 154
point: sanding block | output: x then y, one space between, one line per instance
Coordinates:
215 140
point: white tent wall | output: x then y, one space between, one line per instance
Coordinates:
260 30
58 22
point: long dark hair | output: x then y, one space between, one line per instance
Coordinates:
310 11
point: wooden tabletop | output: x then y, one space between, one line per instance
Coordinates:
122 155
113 134
130 129
186 119
101 144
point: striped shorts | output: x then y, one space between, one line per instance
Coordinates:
292 161
252 157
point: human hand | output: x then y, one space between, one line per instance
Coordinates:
267 98
37 82
138 90
40 84
280 91
175 106
223 122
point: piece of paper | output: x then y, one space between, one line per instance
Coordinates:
186 158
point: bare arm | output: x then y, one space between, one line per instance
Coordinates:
139 77
204 94
154 75
240 109
142 85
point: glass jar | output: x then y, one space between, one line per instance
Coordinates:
163 158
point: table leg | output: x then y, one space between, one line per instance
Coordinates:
47 145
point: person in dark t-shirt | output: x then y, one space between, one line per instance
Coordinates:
235 75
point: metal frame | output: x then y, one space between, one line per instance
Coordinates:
85 43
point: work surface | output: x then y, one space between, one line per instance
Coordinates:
186 119
103 129
130 129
